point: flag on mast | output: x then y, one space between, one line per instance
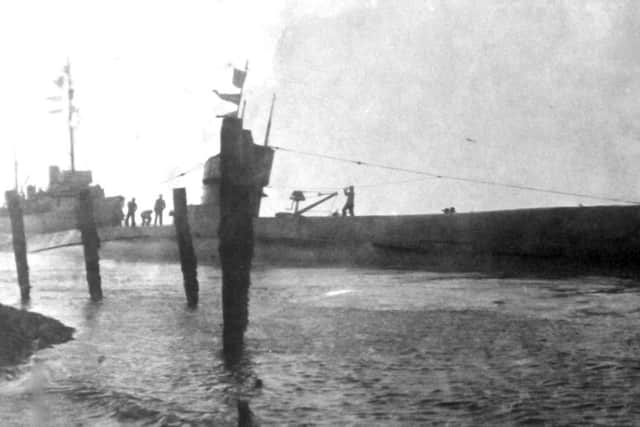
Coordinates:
233 114
246 70
238 80
239 77
229 97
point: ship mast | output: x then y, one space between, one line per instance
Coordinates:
67 71
246 70
71 110
268 131
15 168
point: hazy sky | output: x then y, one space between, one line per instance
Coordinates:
546 91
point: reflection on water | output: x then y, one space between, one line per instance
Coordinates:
329 346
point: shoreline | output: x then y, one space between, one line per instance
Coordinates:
23 332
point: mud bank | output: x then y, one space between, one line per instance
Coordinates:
23 332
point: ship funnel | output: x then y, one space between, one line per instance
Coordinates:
54 176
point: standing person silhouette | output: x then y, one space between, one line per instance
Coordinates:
348 206
131 212
158 208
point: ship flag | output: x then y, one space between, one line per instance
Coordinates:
238 80
233 114
242 76
230 97
239 77
59 81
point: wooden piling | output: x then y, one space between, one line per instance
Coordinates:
188 260
90 243
235 231
19 243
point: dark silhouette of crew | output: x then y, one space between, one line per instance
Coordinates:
158 208
146 217
348 206
131 212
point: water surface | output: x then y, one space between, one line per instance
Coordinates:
331 346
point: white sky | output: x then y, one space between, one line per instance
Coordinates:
548 89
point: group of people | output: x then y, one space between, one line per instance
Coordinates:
160 205
145 216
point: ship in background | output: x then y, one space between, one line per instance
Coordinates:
53 209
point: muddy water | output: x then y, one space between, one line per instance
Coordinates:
331 347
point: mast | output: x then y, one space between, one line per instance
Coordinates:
67 71
268 131
246 69
15 169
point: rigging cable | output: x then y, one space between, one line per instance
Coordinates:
320 191
181 174
455 178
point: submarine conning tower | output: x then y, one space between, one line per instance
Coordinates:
262 162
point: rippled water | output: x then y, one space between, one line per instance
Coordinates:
332 347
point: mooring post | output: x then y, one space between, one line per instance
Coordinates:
19 242
188 260
235 231
90 243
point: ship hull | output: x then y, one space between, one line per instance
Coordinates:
64 218
602 238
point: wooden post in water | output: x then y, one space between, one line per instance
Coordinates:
188 260
235 231
90 243
19 243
